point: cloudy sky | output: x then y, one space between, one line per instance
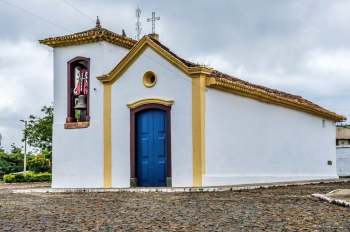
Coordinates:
300 47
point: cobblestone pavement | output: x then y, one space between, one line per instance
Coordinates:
275 209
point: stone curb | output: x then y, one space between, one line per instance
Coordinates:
332 201
170 190
33 186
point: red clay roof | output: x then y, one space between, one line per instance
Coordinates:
233 80
185 62
89 36
217 74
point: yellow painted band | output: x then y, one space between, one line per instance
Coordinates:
198 128
149 101
107 136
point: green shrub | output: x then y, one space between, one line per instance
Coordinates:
41 177
9 178
19 178
29 177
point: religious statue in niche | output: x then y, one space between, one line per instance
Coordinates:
80 92
81 82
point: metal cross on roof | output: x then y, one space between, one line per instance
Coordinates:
153 19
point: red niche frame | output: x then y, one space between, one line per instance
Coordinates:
70 85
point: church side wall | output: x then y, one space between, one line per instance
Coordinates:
78 153
248 141
171 85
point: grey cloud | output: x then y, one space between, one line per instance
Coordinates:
265 42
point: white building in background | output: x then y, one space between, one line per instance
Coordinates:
342 136
343 161
147 117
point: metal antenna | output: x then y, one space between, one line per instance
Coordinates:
138 24
153 19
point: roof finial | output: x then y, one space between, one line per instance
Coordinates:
98 23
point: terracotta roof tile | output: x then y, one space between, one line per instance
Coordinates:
89 36
217 74
185 62
271 92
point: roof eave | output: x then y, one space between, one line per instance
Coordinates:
267 97
84 38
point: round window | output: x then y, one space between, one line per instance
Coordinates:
149 79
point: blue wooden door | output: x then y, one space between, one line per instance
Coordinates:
151 147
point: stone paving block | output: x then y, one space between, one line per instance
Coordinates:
290 208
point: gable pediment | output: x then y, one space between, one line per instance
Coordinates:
188 68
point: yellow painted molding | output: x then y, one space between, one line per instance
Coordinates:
263 96
123 65
200 70
89 37
209 81
198 128
107 136
149 101
138 50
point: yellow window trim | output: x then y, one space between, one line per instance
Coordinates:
149 101
147 79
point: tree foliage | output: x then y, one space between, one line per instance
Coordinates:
39 136
41 163
12 162
39 130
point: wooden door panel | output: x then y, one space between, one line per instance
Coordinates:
151 149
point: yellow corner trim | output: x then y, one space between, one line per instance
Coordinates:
107 137
198 128
149 101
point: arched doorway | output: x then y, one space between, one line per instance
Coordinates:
150 148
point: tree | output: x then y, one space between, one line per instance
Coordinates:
39 130
12 162
41 163
15 150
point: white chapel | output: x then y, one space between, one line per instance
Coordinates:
132 113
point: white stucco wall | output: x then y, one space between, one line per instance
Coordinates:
343 160
171 85
248 141
78 153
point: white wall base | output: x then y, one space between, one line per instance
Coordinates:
233 180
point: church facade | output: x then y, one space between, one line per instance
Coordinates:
132 113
